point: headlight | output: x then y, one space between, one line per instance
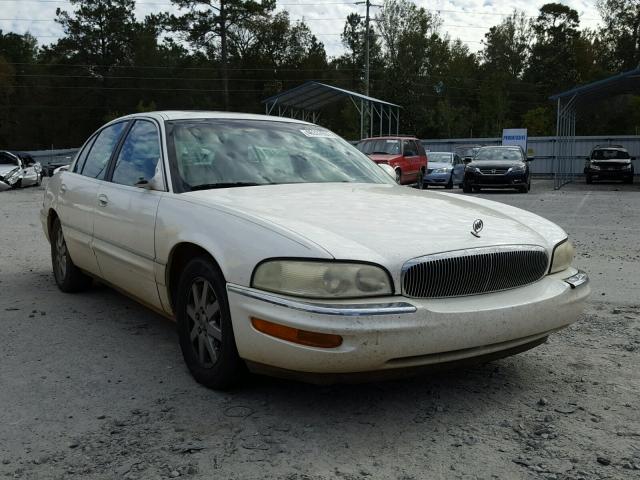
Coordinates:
594 167
517 168
442 170
627 167
562 256
321 279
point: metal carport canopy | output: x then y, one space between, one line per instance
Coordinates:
567 107
306 100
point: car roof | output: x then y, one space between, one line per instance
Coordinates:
392 137
205 114
448 153
619 149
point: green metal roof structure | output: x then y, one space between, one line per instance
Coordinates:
306 102
567 105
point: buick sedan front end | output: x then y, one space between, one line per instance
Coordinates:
256 235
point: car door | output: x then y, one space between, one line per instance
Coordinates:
411 160
458 170
124 226
29 173
78 191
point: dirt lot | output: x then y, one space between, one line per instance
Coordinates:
93 385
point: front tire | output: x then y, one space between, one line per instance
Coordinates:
420 181
449 185
204 326
466 188
69 278
589 179
398 176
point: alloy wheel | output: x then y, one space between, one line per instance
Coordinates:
204 322
60 261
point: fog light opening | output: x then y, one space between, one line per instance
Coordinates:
295 335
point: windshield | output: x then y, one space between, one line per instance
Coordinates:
440 157
467 151
609 154
226 153
6 159
497 153
380 147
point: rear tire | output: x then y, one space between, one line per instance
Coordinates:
69 278
204 326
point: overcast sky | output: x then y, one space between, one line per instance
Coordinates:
468 20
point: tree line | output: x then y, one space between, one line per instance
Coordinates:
231 54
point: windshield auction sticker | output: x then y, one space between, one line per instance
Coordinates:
317 133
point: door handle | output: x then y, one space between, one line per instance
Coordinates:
103 201
63 188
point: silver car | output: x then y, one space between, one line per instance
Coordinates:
18 170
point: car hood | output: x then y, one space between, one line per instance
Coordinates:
385 224
379 158
495 163
4 169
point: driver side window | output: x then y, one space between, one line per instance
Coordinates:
139 155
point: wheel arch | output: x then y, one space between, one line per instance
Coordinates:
180 255
51 216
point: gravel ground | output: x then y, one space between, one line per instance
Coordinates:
93 385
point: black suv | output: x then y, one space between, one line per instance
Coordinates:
497 167
609 162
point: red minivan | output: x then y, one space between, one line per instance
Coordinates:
405 154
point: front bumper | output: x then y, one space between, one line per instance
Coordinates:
507 180
609 174
399 332
437 178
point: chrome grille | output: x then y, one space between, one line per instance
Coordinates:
473 271
493 171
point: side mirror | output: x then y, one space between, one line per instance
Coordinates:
388 169
63 168
633 158
530 159
587 159
467 160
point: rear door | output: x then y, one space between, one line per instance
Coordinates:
77 197
124 226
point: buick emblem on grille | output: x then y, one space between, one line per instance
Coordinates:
478 225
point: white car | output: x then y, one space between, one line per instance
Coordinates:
18 169
275 244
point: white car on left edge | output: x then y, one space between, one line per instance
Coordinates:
276 245
18 169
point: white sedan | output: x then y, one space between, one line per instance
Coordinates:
276 245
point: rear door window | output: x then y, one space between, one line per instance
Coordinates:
95 166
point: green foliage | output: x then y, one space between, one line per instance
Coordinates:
231 54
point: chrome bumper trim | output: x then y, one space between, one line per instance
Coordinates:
578 279
347 310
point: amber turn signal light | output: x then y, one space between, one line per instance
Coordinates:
303 337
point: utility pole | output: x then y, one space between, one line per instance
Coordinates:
368 4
